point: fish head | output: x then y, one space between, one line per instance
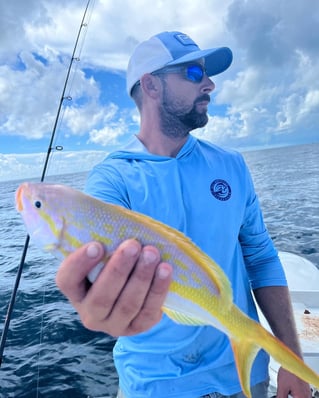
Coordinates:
39 208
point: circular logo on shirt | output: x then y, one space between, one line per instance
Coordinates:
220 189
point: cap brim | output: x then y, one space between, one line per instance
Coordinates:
217 60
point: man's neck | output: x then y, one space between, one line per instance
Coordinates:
160 144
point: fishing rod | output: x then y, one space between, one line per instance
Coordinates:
46 162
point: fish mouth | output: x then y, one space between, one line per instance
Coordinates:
19 196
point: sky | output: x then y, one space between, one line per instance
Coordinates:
268 97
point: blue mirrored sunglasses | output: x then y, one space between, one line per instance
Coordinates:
192 72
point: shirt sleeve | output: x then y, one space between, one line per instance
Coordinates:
106 183
261 258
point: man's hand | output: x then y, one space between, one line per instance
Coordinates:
291 384
276 305
126 297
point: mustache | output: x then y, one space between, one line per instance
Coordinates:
204 97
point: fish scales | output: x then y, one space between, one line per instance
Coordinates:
60 219
124 226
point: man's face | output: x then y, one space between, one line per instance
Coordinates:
184 104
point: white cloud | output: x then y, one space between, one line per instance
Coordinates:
80 120
107 135
218 128
31 165
270 91
23 165
28 97
117 27
298 110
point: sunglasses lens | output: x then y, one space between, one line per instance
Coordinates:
195 73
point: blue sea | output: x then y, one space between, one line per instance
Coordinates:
50 354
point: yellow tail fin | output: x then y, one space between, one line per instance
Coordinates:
245 353
247 340
287 358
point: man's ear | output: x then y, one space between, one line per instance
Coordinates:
150 85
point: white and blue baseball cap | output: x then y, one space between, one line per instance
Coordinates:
173 48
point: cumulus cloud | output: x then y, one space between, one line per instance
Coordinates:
269 95
29 96
31 165
274 91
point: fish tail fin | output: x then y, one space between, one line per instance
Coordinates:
286 357
249 338
245 353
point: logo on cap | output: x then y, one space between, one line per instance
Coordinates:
220 189
184 39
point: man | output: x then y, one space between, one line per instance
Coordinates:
207 193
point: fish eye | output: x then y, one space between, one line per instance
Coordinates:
37 204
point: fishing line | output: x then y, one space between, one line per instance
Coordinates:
69 82
63 96
40 343
51 147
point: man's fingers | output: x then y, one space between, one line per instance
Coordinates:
107 288
151 312
71 275
139 293
127 295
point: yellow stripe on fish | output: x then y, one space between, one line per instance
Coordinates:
60 219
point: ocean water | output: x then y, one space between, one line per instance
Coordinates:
50 354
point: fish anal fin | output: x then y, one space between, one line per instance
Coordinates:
245 353
182 318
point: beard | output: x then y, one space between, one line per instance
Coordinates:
177 120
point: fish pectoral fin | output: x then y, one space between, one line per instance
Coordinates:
245 353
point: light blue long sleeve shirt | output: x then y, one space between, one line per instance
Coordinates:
207 193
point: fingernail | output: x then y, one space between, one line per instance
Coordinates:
131 249
93 250
163 272
149 256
